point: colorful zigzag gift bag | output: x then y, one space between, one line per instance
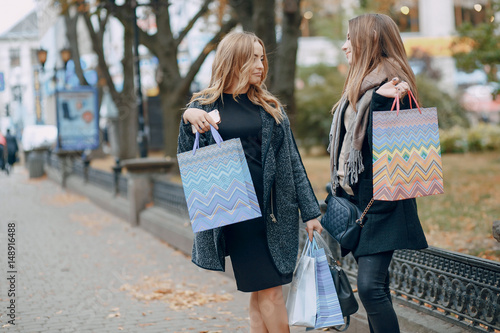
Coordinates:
406 153
217 184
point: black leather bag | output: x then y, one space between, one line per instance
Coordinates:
343 220
347 301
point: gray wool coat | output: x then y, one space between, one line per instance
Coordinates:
285 182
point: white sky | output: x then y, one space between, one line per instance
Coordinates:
11 11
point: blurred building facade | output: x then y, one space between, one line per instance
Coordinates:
27 92
427 26
18 61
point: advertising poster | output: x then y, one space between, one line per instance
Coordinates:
77 119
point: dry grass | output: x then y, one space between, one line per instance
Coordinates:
459 220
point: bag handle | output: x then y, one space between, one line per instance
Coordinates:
396 102
215 135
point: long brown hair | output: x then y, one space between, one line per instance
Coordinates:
375 39
233 61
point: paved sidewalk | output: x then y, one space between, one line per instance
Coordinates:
81 269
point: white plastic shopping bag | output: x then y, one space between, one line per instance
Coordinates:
301 300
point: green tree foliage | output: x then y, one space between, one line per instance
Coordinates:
322 87
477 47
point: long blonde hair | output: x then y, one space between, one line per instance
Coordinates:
233 61
375 39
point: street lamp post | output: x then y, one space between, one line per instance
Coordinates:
42 58
65 56
142 139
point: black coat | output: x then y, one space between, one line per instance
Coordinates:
12 148
389 225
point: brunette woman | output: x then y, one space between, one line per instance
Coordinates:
378 73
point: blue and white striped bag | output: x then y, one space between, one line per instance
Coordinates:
328 311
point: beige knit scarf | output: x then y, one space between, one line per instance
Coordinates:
358 123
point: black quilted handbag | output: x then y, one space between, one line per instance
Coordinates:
343 220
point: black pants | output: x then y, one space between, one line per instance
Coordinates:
373 289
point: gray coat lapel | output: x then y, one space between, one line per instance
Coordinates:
272 139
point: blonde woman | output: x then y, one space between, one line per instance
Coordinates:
263 251
378 73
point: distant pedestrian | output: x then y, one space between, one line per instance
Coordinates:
3 144
379 72
12 149
263 251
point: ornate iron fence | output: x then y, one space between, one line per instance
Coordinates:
170 196
103 179
458 288
113 182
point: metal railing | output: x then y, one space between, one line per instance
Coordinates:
455 287
113 182
170 196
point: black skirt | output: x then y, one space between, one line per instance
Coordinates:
253 266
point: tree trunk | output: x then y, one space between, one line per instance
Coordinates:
264 22
127 127
172 107
284 86
282 56
244 10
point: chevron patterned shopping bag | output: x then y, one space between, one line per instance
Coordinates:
328 308
406 153
217 184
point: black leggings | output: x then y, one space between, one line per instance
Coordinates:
373 289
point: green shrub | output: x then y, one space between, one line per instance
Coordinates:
483 137
453 140
450 112
322 87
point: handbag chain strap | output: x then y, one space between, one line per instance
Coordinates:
360 220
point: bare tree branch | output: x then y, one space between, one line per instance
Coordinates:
97 41
124 14
71 35
184 32
195 66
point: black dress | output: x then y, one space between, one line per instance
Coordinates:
246 241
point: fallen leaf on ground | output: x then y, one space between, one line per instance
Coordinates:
179 297
64 199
